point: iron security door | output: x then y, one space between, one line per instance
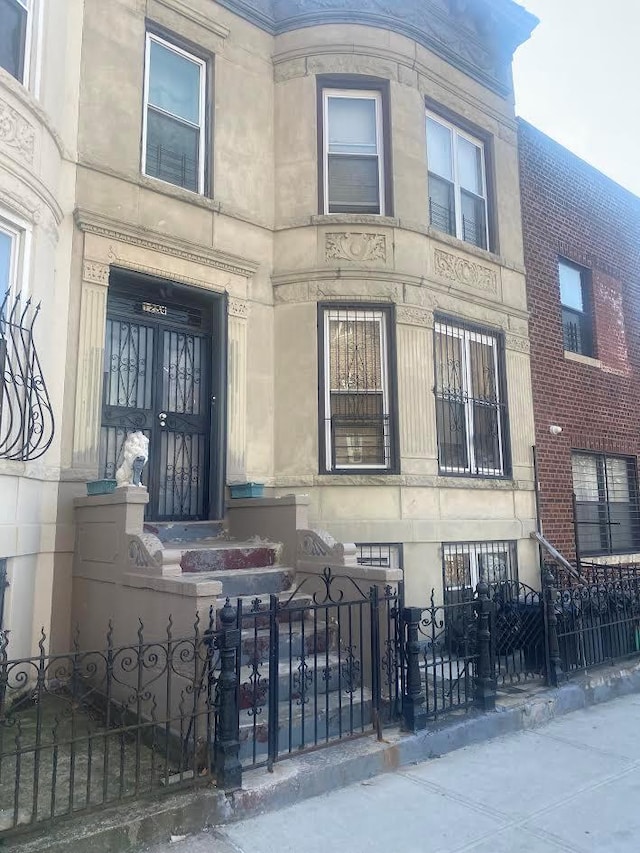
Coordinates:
158 379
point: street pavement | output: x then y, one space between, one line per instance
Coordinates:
573 785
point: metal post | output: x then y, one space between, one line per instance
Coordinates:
226 748
413 710
484 693
274 664
554 671
374 615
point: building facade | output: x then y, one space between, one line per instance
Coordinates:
40 46
296 259
582 238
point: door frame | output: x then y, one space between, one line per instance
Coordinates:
131 283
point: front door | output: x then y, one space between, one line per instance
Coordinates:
162 375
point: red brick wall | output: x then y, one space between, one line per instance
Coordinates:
571 210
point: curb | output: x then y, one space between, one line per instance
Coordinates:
124 829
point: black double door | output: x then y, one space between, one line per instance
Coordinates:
164 376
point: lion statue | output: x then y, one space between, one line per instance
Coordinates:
136 453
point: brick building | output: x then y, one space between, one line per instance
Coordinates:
582 247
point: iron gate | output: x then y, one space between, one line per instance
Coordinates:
321 666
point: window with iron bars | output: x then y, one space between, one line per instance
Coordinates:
471 414
358 430
465 564
606 504
380 554
576 311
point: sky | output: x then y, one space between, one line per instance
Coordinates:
578 80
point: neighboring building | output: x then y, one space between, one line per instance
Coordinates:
297 260
582 254
40 47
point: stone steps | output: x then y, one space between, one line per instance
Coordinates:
186 531
260 583
215 555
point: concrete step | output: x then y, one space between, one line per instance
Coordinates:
186 531
255 582
291 641
321 674
334 715
216 555
261 619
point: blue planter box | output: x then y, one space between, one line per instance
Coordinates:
101 487
247 490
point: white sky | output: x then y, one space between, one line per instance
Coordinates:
578 80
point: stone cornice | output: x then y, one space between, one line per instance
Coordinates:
476 36
94 223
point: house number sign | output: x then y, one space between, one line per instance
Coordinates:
150 308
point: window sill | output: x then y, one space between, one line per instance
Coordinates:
463 246
582 359
354 219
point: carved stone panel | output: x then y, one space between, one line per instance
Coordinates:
465 272
16 133
355 246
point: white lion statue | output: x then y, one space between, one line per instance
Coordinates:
136 453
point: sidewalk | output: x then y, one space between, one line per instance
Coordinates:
572 785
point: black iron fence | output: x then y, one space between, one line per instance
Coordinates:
86 729
594 619
320 666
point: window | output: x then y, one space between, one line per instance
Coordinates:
173 143
470 412
457 182
15 23
381 555
13 245
357 428
576 319
353 153
606 503
465 564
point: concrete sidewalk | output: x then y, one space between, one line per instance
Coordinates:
572 785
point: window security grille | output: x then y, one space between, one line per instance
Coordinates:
606 504
382 555
470 410
465 564
357 427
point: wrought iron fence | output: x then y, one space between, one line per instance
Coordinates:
320 666
595 620
86 729
517 633
26 414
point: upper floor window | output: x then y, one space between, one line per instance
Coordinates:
15 24
358 427
606 503
353 151
576 314
457 182
471 415
173 144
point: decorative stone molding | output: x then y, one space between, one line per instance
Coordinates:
95 273
513 342
465 34
355 246
238 308
414 316
465 272
91 223
16 132
203 21
145 551
320 547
